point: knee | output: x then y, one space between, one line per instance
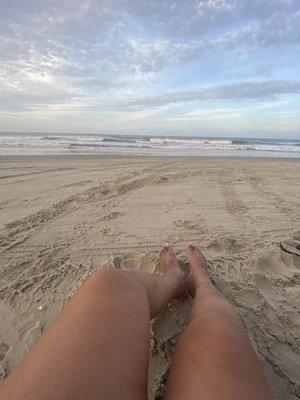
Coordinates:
113 280
220 335
108 277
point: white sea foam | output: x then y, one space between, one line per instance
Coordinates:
82 144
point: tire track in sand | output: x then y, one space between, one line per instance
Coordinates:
233 203
259 185
17 232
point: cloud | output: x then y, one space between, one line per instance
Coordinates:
234 92
127 55
58 100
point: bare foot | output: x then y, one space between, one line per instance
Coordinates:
198 266
170 268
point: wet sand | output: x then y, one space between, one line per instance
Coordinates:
63 217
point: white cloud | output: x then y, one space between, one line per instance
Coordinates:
116 55
236 92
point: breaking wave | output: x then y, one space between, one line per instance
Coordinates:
145 145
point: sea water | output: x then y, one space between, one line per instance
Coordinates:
41 143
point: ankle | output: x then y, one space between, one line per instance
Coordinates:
177 282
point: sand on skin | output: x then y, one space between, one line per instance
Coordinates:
63 217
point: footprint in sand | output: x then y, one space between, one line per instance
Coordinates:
291 246
132 262
3 364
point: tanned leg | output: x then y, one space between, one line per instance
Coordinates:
214 358
98 348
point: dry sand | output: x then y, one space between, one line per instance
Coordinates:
63 217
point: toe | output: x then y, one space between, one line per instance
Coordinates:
167 250
163 251
195 256
191 251
167 258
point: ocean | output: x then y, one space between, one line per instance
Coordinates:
41 143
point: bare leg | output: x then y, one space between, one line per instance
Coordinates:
98 348
214 358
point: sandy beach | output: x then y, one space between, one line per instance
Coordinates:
62 217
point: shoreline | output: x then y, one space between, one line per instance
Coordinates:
139 157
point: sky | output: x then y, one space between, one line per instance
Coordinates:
153 67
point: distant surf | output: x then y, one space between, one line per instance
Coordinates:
39 144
